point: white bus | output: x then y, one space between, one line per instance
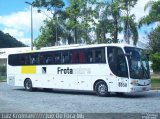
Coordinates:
102 68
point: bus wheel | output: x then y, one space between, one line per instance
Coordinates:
101 89
28 85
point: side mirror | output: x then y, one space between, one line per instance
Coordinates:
147 55
127 54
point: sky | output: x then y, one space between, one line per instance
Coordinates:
15 19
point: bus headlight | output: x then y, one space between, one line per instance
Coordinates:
134 82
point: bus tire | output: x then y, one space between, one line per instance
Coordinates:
28 85
101 89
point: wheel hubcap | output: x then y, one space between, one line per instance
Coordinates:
102 89
28 85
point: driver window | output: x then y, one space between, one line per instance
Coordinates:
117 61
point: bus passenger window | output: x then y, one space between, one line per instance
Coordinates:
48 60
34 60
42 60
74 56
57 59
89 55
82 57
98 57
22 60
66 57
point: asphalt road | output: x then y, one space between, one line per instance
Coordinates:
17 100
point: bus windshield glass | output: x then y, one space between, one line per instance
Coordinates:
138 63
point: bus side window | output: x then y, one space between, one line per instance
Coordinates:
48 60
82 58
41 58
74 57
66 57
26 60
22 60
98 58
89 55
34 59
57 58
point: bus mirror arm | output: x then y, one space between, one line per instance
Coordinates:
147 55
127 54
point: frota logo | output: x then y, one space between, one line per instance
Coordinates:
64 71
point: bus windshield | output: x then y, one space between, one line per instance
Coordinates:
138 63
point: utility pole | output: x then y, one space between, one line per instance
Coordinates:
31 24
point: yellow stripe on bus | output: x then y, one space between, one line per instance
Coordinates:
28 69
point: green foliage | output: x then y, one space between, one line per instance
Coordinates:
49 4
80 16
154 40
89 21
109 22
130 26
127 5
50 32
130 29
114 18
155 83
154 13
7 41
156 62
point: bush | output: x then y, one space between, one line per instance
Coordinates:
156 62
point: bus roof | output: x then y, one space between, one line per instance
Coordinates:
77 46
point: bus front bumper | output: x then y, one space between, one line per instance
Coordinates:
140 88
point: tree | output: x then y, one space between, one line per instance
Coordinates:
49 31
115 11
151 18
73 12
154 41
108 26
128 20
78 21
88 16
81 19
154 13
52 29
49 4
116 17
130 29
154 45
156 62
122 17
130 26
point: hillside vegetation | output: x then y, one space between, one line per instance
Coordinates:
7 41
